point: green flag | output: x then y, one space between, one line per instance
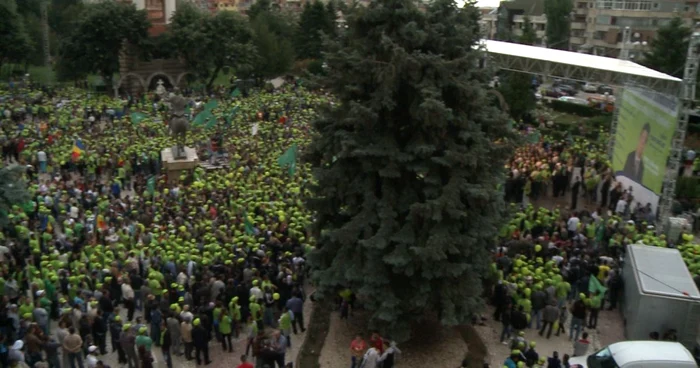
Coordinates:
211 105
534 137
151 185
211 122
203 117
249 228
236 92
595 285
137 117
289 158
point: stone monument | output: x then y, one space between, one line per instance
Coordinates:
178 158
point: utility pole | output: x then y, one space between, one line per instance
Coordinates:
687 97
45 31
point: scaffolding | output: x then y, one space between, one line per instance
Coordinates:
687 96
598 69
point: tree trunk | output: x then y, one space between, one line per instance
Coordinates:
213 77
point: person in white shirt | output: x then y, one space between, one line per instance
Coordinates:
620 206
255 290
128 296
41 156
572 224
91 359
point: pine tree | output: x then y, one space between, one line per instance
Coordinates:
13 190
407 165
312 24
669 48
516 87
558 23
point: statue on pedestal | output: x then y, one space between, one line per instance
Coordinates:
178 125
160 90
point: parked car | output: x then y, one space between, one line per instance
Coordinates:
605 89
568 89
554 92
638 354
574 100
590 88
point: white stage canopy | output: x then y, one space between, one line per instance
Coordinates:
583 67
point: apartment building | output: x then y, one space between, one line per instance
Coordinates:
597 25
510 17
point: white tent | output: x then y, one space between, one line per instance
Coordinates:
577 66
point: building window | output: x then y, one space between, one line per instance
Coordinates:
613 21
581 5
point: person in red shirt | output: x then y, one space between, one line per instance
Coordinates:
357 349
377 342
244 363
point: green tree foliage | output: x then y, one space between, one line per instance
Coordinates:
208 44
529 36
558 23
14 40
407 165
275 52
668 50
313 23
515 87
261 6
63 14
96 39
13 190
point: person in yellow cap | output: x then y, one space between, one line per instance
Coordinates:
143 339
115 331
200 339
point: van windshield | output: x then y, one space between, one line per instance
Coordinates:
602 359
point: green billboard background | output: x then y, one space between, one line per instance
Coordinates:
636 109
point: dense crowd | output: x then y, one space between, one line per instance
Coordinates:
106 247
556 269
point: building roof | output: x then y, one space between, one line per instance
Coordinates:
650 351
577 66
529 7
662 271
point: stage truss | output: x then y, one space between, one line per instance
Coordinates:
684 88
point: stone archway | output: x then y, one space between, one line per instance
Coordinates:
152 79
126 78
181 77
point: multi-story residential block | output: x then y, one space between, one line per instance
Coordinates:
597 26
510 17
603 23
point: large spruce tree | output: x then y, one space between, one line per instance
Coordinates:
408 165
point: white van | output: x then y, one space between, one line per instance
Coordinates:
638 354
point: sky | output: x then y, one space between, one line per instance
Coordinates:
488 3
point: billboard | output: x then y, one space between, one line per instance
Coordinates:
646 123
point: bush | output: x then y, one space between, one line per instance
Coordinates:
688 187
576 109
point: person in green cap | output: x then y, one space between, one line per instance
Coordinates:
143 339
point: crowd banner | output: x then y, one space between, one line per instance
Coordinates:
646 123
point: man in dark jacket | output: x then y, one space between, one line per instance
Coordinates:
518 319
165 343
550 315
539 302
99 332
200 338
578 317
115 330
